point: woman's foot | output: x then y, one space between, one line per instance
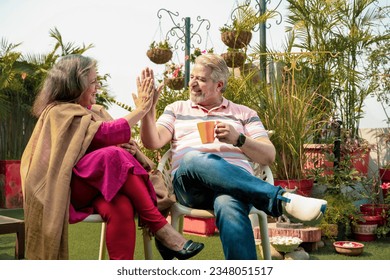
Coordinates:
171 243
189 250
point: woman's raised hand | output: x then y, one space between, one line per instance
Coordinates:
146 90
148 73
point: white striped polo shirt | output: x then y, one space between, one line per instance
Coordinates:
181 118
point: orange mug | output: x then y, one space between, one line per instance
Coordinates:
206 131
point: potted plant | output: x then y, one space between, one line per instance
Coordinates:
384 167
174 76
238 34
234 58
197 52
383 230
295 111
160 52
234 36
359 68
340 216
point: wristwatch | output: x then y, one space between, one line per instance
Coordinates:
241 140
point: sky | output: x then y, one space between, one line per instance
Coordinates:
122 30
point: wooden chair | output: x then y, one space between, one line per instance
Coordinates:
178 211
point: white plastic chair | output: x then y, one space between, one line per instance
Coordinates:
178 211
96 218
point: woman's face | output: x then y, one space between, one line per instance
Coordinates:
88 97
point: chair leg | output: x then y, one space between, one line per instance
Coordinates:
147 244
263 225
102 249
177 221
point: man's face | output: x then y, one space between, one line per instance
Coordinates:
203 90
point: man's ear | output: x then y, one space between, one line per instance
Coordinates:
220 85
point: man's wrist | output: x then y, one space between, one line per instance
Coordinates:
240 141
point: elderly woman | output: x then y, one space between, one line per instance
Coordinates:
78 162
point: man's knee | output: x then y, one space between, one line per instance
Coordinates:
229 208
191 156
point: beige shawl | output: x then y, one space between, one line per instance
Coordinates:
60 138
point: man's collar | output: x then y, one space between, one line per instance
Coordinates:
224 104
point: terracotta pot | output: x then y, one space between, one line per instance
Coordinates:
303 187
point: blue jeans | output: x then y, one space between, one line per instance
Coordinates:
207 181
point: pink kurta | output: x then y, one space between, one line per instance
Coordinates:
105 166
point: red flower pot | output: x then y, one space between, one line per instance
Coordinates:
10 184
303 187
365 230
384 174
376 210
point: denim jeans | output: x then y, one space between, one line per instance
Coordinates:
207 181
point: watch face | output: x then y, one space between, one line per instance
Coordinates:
241 140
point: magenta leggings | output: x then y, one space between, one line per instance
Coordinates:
119 213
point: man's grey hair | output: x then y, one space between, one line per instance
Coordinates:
219 69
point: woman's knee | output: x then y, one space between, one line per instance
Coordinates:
119 208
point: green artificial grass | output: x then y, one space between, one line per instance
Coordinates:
84 245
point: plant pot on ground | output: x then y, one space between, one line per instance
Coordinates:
341 212
365 228
295 111
302 187
384 174
381 210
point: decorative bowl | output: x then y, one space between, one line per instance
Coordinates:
285 244
348 248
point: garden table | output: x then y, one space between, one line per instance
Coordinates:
11 225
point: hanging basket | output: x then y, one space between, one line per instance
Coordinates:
159 56
234 59
236 39
174 83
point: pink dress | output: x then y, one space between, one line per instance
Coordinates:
105 166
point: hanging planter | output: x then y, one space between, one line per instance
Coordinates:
234 58
174 83
159 53
236 39
174 76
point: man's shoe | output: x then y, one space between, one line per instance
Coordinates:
306 210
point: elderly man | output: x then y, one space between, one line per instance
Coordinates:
219 175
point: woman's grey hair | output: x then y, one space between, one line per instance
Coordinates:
219 69
65 82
